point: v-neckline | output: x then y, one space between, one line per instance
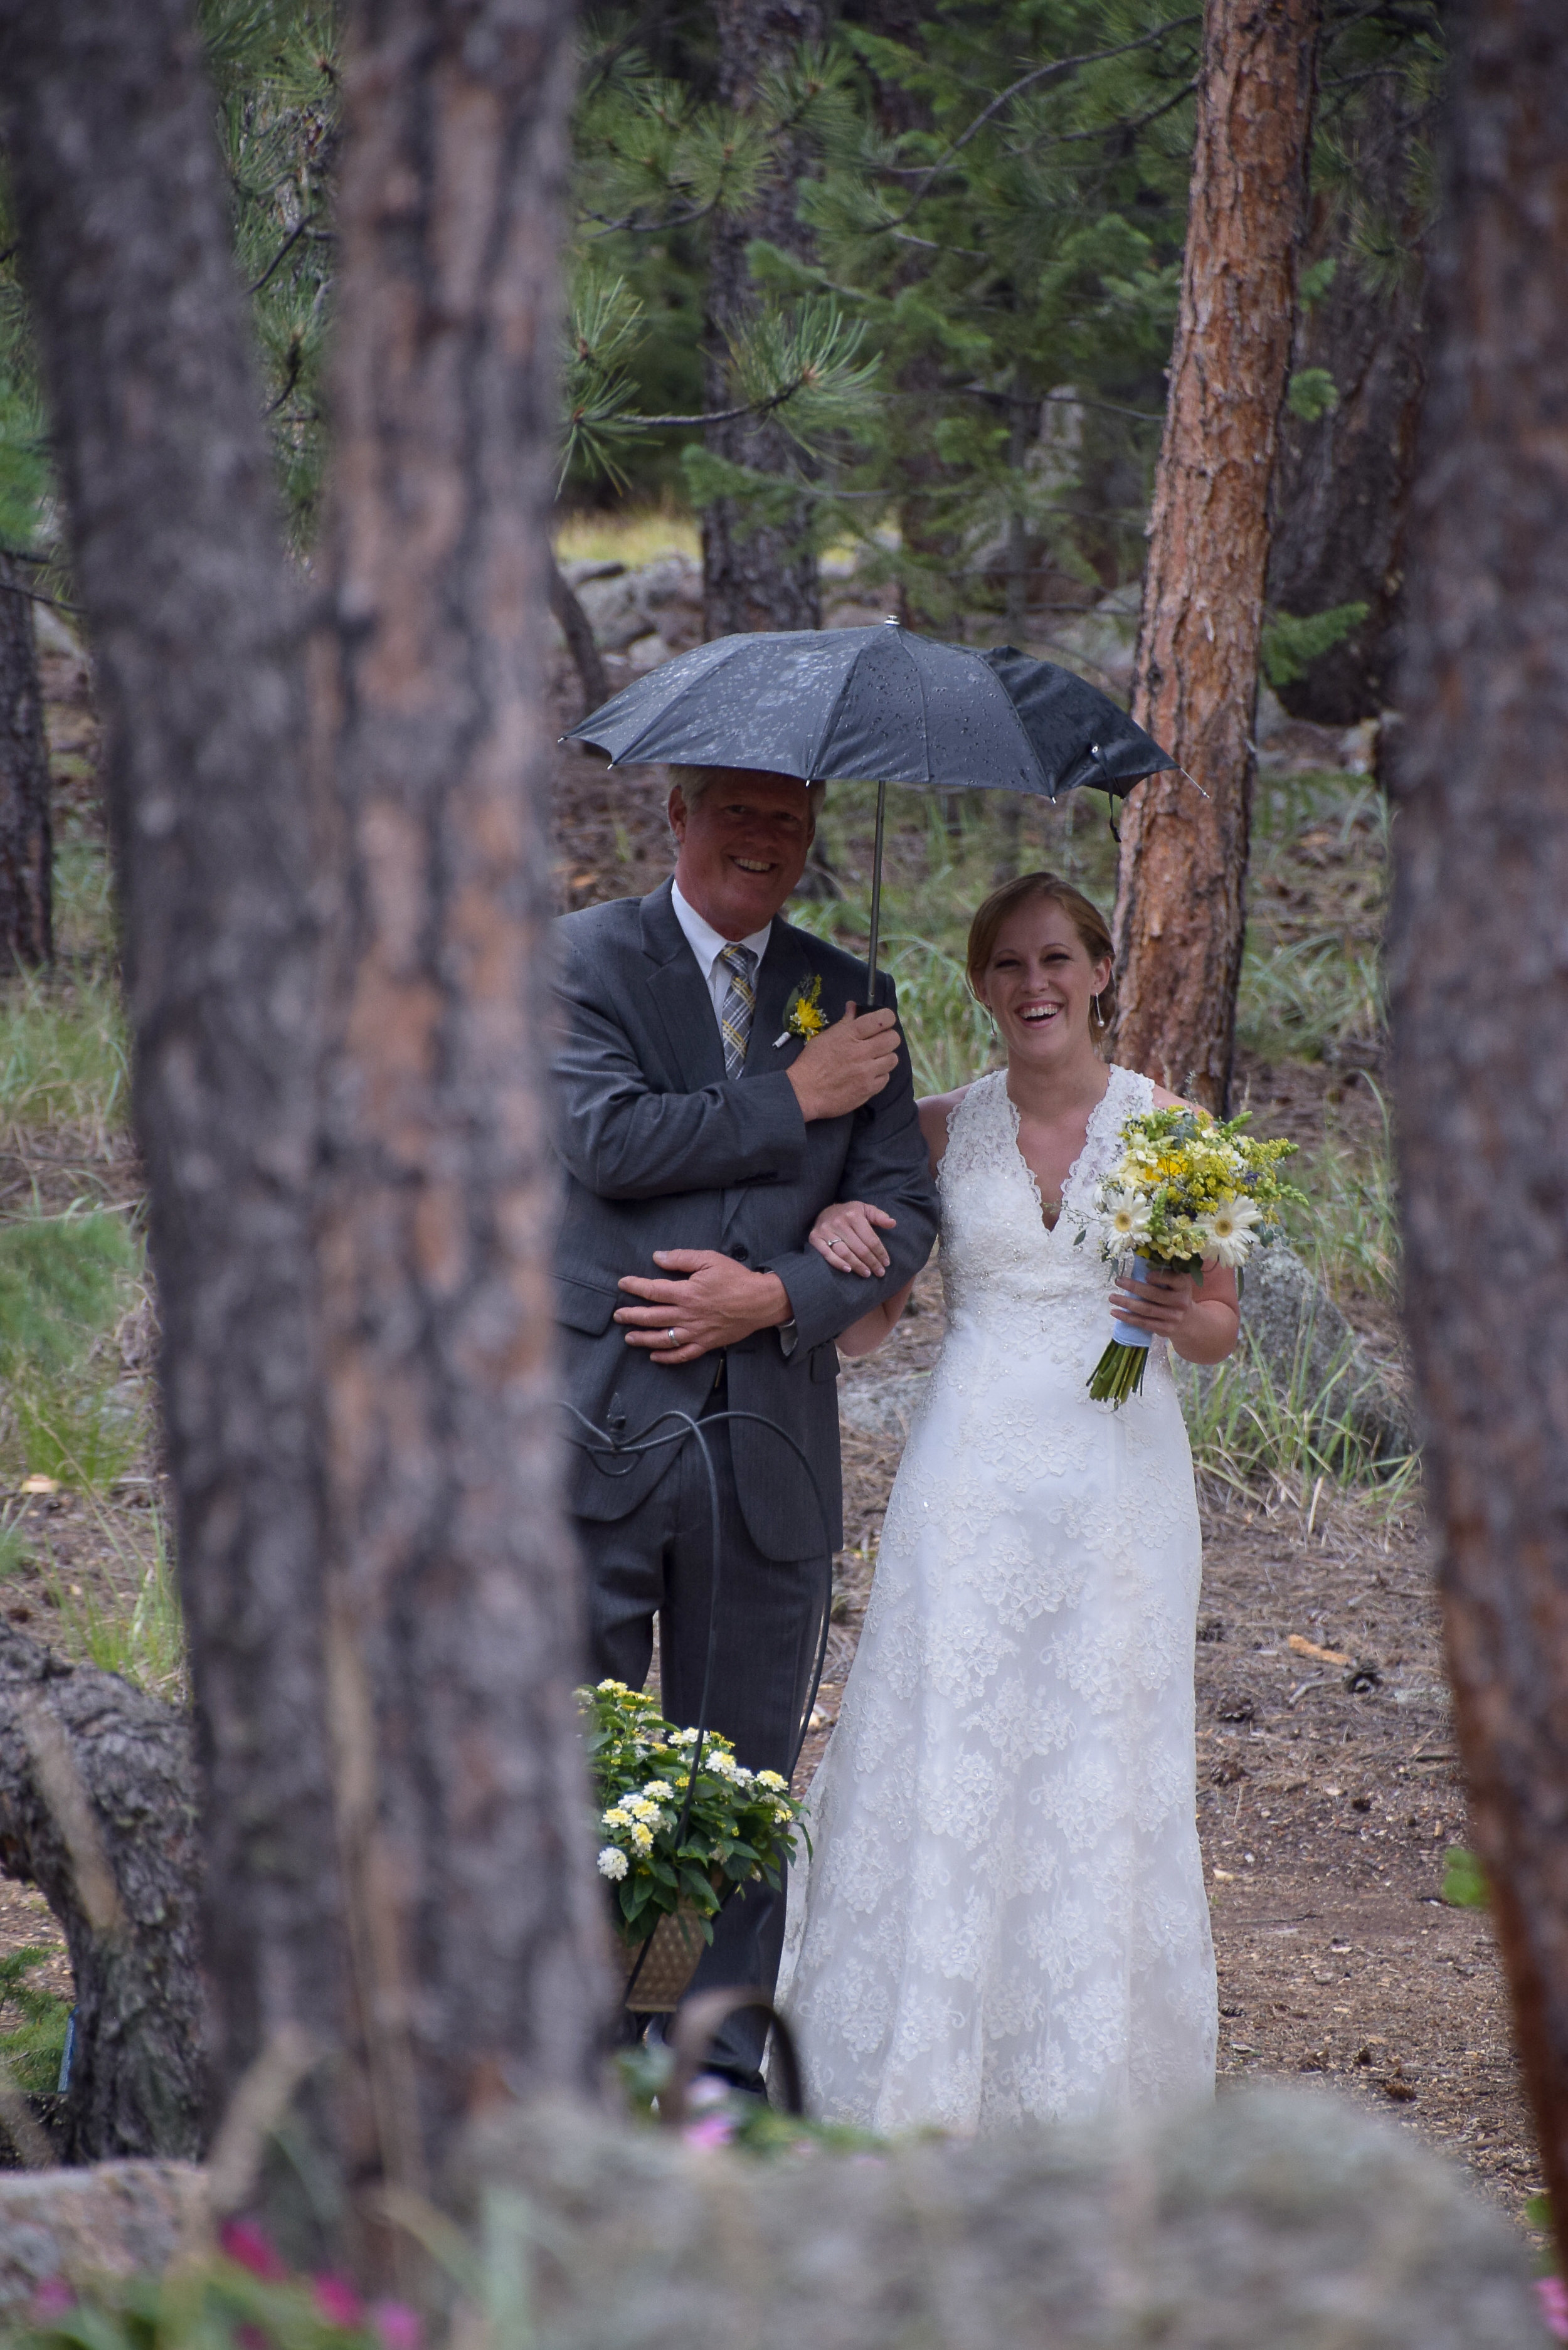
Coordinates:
1016 1125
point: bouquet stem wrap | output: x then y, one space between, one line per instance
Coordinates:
1119 1371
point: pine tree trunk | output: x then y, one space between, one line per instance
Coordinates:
454 1635
1342 482
27 845
1180 918
97 1810
123 215
755 577
1480 990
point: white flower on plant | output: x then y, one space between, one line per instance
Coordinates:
642 1838
1124 1217
1227 1232
772 1782
722 1765
615 1817
783 1814
613 1862
658 1790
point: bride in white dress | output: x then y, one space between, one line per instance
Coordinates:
1005 1915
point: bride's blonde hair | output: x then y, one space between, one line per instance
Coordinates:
1082 912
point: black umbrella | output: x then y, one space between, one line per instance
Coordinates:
875 706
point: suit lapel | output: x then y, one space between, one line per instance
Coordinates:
785 967
680 997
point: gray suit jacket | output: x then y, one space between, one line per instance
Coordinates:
662 1150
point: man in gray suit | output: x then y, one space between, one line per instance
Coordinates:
701 1132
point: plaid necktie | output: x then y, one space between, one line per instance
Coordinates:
740 1002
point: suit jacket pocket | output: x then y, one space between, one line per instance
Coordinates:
824 1361
582 1306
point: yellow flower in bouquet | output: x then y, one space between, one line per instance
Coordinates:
1188 1189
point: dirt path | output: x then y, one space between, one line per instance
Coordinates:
1324 1809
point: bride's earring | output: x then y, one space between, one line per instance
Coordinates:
990 1024
1099 1016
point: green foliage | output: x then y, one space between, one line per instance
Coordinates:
33 2047
1464 1880
63 1282
79 1427
1290 645
674 1837
1312 394
64 1059
143 1638
275 69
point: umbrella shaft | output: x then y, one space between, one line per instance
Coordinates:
875 899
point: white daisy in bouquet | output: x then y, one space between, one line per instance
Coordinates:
1188 1189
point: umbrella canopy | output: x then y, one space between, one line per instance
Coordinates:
875 706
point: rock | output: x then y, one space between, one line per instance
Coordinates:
1274 2216
118 2218
664 597
1299 1334
578 573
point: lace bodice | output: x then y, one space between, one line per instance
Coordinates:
1005 1273
1005 1914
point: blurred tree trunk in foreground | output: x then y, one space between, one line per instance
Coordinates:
763 578
1342 482
1180 918
124 222
453 1634
27 845
1481 989
357 1364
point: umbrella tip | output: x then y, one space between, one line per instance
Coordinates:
891 621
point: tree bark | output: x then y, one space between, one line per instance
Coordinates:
97 1810
454 1635
26 844
577 630
755 577
124 223
1342 484
1180 914
1480 990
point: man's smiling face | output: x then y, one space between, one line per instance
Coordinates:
742 847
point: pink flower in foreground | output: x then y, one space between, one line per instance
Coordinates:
245 2244
1553 2296
397 2326
713 2129
53 2299
338 2302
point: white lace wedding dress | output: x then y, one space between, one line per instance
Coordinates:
1005 1914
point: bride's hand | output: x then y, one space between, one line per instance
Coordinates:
1160 1304
846 1234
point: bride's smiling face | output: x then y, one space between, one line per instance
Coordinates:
1039 984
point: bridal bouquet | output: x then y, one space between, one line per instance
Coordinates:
1186 1188
661 1849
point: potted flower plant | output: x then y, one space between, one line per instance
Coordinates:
677 1843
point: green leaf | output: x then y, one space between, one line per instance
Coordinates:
1290 644
1464 1882
1316 280
1312 394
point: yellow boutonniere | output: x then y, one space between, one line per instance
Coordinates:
804 1014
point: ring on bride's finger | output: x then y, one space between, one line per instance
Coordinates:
673 1337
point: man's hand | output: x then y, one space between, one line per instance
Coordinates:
717 1304
843 1065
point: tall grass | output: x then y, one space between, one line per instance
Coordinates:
1252 1432
1296 1001
142 1638
64 1060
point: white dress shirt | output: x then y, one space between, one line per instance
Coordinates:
707 944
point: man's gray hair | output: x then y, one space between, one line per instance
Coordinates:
697 782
